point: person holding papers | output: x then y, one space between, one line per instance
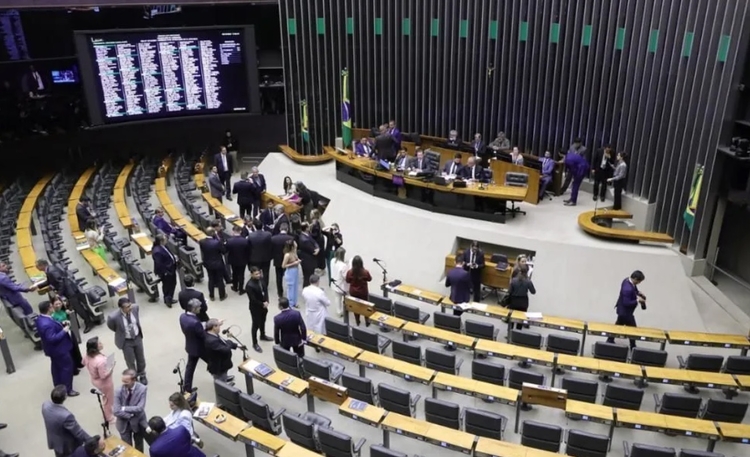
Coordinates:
453 168
472 171
518 293
100 369
459 280
474 262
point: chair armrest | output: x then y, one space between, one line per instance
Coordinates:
357 447
681 361
657 403
278 414
459 362
626 448
414 400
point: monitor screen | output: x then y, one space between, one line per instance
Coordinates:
65 75
148 74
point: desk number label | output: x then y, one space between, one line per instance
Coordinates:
487 314
369 365
416 334
585 418
665 381
253 444
688 433
617 375
525 322
745 441
643 338
449 388
442 444
604 333
638 426
398 430
562 327
574 368
335 353
490 354
687 343
710 385
406 376
490 398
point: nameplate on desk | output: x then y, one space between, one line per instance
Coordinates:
643 338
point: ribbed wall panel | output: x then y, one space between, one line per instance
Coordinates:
648 97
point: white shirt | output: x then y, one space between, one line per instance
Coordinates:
131 329
39 82
180 418
224 161
452 169
339 270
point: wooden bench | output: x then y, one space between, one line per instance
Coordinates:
587 221
24 234
118 197
304 159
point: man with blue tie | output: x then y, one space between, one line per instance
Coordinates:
453 168
165 267
548 168
238 253
225 168
363 148
171 442
459 280
195 340
627 302
11 291
289 330
57 344
395 133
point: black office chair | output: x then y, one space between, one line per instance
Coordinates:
526 339
623 397
397 400
360 388
228 398
338 330
694 453
302 429
323 369
337 444
737 364
580 389
701 362
479 329
288 362
516 180
541 436
438 360
377 450
583 444
410 313
407 352
648 357
645 450
483 423
610 351
518 376
724 411
260 414
369 340
445 321
563 344
677 405
493 373
442 412
382 304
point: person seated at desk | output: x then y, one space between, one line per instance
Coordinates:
472 171
171 442
402 160
453 168
548 168
500 143
162 224
453 141
420 164
363 148
516 158
92 447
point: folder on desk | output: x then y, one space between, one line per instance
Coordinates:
263 369
357 405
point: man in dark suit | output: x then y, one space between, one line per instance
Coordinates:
92 447
307 250
363 148
289 329
478 147
266 217
212 257
84 213
12 292
453 141
385 146
218 352
261 250
627 302
57 344
129 407
225 167
454 166
57 281
472 171
162 224
238 253
277 248
165 267
216 185
402 160
171 442
195 337
190 293
245 194
603 165
258 181
280 217
419 163
459 280
474 262
64 434
257 296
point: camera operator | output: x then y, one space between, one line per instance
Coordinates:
628 301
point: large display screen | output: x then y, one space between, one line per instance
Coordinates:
147 74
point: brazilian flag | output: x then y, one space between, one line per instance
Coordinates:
305 130
695 193
346 116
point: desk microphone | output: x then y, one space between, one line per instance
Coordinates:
376 260
176 368
225 331
96 391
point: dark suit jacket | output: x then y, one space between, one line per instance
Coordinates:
245 192
174 442
238 251
426 164
478 149
266 218
466 172
219 164
56 280
64 434
215 186
363 150
81 452
56 341
277 247
257 294
459 280
259 185
402 162
231 143
261 247
284 218
164 261
212 253
447 168
289 328
218 353
627 301
306 248
385 147
194 333
188 294
162 224
596 163
84 215
478 258
333 241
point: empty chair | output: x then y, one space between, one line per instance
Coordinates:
442 412
445 321
483 423
541 436
479 329
337 444
646 450
260 414
360 388
382 304
377 450
701 362
485 371
737 364
526 339
584 444
288 362
323 369
397 400
438 360
228 398
563 344
407 352
694 453
724 411
623 397
518 376
581 389
337 330
677 405
303 429
648 357
610 351
369 340
410 313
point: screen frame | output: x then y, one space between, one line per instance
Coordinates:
88 77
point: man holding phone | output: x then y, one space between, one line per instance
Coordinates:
57 345
627 302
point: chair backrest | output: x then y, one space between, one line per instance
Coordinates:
737 364
483 423
406 312
479 329
382 304
611 351
334 444
436 359
485 371
300 431
646 450
442 412
623 397
581 389
500 261
228 398
517 376
563 344
394 399
288 362
377 450
365 339
705 362
725 411
358 387
526 339
317 368
446 321
648 357
337 330
516 179
257 411
680 405
694 453
407 352
584 444
541 436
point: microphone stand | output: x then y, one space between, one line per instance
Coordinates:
343 307
385 277
105 422
178 372
241 345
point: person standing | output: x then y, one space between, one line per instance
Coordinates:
189 293
577 168
627 302
57 344
577 148
316 305
165 267
57 281
245 194
64 434
619 179
212 257
261 250
257 295
459 280
195 337
62 315
171 442
518 292
278 249
130 410
358 278
238 253
338 276
181 415
308 253
218 352
258 182
290 264
11 291
225 168
94 236
215 185
126 323
289 330
231 143
474 262
602 164
334 240
101 374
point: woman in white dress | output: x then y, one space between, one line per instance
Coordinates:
339 267
180 415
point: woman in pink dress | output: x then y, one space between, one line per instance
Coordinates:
101 374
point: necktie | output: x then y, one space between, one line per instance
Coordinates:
473 172
127 318
453 168
471 258
129 397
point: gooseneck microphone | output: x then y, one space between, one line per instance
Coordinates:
96 391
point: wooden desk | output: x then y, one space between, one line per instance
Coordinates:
639 420
576 363
177 217
696 428
734 433
387 321
261 440
289 207
501 167
230 428
293 450
695 378
297 388
23 237
620 370
716 340
334 347
743 381
493 311
551 322
491 276
113 442
94 260
425 431
474 388
582 410
302 158
587 220
395 367
487 447
371 415
24 220
326 390
510 351
439 335
144 243
216 206
623 331
358 306
425 296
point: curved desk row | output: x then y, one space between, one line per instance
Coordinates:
179 219
118 197
302 158
25 230
589 222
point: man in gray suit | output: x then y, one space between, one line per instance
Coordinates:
126 323
64 434
215 185
130 410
